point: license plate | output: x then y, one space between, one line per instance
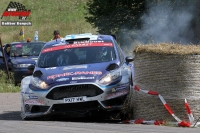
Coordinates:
75 99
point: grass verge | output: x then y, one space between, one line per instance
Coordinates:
7 85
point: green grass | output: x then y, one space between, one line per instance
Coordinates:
67 16
7 85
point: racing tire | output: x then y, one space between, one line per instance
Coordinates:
127 108
23 117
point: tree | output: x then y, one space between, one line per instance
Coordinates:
110 15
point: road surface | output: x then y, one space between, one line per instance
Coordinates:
10 122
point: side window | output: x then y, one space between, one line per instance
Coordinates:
121 55
1 54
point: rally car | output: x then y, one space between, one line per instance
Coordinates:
76 76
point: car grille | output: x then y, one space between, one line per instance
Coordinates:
37 109
88 90
91 105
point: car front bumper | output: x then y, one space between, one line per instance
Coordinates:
36 103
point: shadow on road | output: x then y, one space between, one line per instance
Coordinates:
81 120
10 115
15 115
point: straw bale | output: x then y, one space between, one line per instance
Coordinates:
174 72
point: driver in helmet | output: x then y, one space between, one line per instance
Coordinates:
102 54
62 60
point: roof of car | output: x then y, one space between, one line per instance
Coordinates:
82 36
26 42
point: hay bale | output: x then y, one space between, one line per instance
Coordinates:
172 70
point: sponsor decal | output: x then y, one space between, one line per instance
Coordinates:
81 77
75 67
30 97
34 102
62 79
33 97
73 82
75 73
113 95
50 68
78 45
59 44
120 87
27 93
18 45
95 41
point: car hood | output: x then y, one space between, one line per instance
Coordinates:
75 73
24 60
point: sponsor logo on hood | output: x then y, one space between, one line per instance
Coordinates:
62 79
50 68
81 77
74 73
75 67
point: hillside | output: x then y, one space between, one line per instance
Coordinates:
47 15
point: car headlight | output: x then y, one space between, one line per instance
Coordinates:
111 77
23 65
35 81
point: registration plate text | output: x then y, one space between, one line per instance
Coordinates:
75 99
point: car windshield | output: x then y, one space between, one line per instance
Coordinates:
72 54
26 49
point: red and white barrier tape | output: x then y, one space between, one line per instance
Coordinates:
180 123
141 121
190 115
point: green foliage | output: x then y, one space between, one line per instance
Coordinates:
7 85
109 15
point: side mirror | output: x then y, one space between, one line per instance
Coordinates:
31 69
129 59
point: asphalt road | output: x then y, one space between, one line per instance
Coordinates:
10 122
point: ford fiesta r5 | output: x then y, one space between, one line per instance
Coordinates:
79 75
